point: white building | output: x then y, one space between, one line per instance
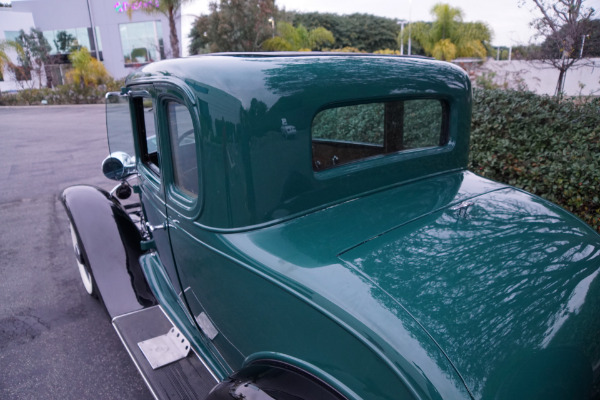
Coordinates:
122 41
11 21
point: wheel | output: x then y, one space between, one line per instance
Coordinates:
84 270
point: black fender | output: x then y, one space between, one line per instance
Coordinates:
273 380
111 245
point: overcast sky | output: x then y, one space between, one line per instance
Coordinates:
509 22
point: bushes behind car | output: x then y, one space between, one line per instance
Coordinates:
63 94
545 145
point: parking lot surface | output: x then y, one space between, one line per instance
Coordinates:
56 342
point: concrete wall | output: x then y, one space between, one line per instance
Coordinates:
583 78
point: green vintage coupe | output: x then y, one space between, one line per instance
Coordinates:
304 226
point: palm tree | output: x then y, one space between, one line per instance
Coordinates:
298 38
448 37
4 58
170 8
22 72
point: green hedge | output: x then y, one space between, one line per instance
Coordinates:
545 145
63 94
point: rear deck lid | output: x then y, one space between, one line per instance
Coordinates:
506 284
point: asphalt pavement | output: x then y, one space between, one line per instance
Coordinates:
56 342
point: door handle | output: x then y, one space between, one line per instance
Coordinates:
153 228
164 225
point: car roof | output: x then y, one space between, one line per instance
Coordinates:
243 100
259 76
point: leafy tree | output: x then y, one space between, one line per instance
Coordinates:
347 50
590 38
527 52
448 37
87 71
233 25
591 45
65 42
33 53
298 38
562 24
367 33
19 72
387 51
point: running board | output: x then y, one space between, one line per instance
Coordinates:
186 378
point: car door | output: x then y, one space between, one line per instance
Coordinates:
181 122
143 106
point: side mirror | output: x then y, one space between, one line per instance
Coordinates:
118 166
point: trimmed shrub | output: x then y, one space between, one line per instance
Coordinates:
545 145
71 93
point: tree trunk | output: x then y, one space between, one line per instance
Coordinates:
48 72
173 34
560 85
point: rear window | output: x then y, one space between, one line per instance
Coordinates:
351 133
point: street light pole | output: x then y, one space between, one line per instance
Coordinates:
409 26
582 43
401 22
95 39
272 21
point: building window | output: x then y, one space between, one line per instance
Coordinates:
142 42
11 35
65 41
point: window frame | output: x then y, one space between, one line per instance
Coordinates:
180 188
391 156
155 168
177 199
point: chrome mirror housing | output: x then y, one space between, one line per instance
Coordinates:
118 166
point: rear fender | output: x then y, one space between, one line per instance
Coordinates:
272 380
111 245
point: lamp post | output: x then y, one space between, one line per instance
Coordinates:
409 26
272 21
93 31
401 22
582 43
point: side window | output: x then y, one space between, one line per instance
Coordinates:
183 147
146 125
347 134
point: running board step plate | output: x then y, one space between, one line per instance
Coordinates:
186 378
165 349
